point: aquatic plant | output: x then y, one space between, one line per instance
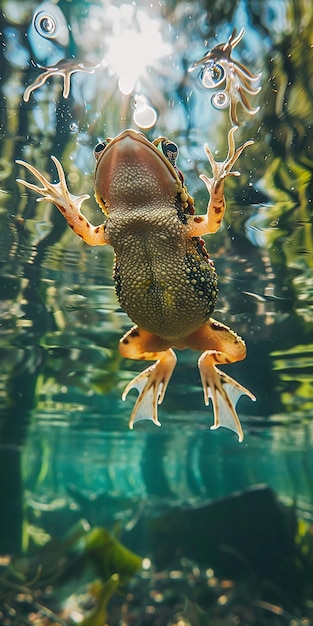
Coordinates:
89 563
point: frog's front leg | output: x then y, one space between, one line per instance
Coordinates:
152 382
68 204
222 346
210 223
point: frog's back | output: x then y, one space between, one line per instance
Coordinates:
163 277
164 280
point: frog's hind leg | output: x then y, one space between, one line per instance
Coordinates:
152 382
223 346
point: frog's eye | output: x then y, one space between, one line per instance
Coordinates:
99 149
45 24
212 75
170 151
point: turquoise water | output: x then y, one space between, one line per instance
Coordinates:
66 451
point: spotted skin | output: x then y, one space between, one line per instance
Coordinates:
164 277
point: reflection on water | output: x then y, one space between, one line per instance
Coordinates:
66 452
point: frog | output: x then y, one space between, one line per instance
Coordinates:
165 280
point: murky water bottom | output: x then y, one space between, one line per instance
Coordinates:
215 522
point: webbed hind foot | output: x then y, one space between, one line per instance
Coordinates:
151 385
224 392
152 382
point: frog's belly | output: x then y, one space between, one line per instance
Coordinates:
169 303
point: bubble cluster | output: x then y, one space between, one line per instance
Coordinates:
144 115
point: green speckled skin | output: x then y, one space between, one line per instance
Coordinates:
165 285
164 279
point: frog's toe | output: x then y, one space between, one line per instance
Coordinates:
224 392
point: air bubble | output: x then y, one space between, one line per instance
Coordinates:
212 75
45 25
74 128
48 26
220 100
144 115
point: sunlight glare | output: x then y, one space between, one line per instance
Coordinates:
135 45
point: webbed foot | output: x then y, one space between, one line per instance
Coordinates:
57 193
151 385
210 223
222 169
224 392
67 203
64 68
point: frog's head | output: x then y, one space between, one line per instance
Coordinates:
132 172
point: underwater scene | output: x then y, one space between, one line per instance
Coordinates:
156 313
